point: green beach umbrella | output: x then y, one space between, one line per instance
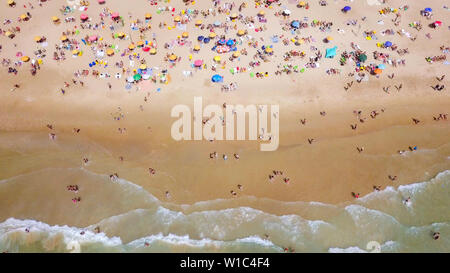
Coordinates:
362 57
137 77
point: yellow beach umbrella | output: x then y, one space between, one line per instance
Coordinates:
140 43
143 66
121 35
64 38
37 39
148 16
196 47
185 34
109 52
177 19
9 34
268 50
329 38
212 35
261 13
55 19
217 58
241 32
233 16
11 2
25 59
131 47
198 22
173 57
75 52
236 54
24 17
302 3
153 51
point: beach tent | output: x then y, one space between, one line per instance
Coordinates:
217 78
387 44
346 9
330 52
362 57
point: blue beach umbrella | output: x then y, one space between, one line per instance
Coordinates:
221 42
230 42
295 24
217 78
331 52
200 38
346 8
206 40
387 44
381 66
428 9
217 23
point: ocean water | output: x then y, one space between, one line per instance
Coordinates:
147 224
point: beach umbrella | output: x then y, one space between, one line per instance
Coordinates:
295 24
230 42
140 43
362 57
109 52
198 22
92 38
302 4
236 54
131 47
200 38
148 16
146 49
130 79
217 59
206 40
221 42
329 38
9 34
196 48
212 35
217 78
115 15
241 32
24 17
234 16
177 19
387 44
38 39
330 52
84 17
268 50
437 23
286 12
11 3
25 59
346 8
381 66
377 71
137 77
64 38
101 2
261 13
185 34
121 35
173 57
217 23
153 51
55 19
75 52
143 67
428 9
146 76
198 63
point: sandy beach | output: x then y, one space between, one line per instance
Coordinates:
349 126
